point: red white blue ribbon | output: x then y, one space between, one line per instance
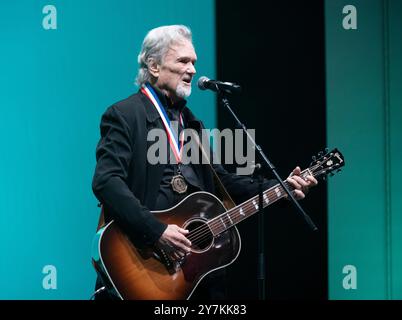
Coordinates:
153 97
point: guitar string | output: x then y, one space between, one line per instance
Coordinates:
204 232
200 233
214 223
247 204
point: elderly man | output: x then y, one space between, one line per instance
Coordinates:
128 185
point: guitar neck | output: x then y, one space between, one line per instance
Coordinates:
248 208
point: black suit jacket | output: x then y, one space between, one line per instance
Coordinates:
127 185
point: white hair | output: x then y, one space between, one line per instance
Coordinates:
155 45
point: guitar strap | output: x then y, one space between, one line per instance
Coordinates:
226 198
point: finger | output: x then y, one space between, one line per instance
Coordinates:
183 231
181 246
179 237
301 181
294 183
312 180
296 171
299 194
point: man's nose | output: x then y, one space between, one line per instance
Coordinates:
191 69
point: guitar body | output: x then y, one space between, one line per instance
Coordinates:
131 273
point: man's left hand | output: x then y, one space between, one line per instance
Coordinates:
300 185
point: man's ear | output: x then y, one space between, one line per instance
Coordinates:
153 68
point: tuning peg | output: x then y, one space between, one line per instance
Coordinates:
339 170
324 178
326 150
320 154
314 158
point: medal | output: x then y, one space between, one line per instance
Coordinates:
178 183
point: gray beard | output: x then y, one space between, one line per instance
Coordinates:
183 92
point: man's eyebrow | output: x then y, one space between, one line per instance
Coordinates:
187 58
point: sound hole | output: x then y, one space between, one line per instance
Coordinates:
200 235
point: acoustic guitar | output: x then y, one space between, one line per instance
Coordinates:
132 273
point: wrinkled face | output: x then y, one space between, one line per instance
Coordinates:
174 74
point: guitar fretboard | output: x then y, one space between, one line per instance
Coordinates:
237 214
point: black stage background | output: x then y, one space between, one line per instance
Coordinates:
277 53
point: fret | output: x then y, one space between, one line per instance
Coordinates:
255 205
266 199
249 207
278 192
223 222
306 173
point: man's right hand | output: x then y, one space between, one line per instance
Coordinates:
174 236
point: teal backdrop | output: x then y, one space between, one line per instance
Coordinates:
364 119
54 87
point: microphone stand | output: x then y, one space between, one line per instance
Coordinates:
261 253
261 237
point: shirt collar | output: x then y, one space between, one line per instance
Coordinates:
152 114
166 102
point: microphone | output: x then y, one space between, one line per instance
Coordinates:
204 83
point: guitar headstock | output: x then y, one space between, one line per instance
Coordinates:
327 162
